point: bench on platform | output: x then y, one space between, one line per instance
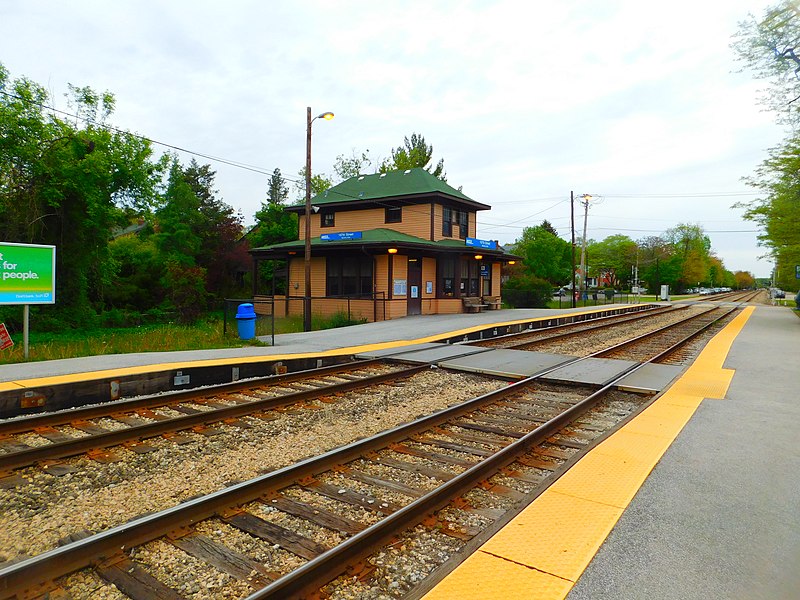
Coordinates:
473 304
492 302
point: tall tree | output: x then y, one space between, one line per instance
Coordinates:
612 258
354 165
277 188
69 185
691 251
770 48
319 183
414 153
546 256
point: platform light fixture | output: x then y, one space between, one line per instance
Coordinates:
478 256
392 250
307 259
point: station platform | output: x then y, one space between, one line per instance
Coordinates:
697 497
345 340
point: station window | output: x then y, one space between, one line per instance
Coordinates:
349 276
455 221
447 277
327 219
394 215
470 270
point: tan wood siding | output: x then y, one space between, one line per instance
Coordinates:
428 274
382 275
496 270
416 221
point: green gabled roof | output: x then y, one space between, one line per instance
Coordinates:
379 236
394 184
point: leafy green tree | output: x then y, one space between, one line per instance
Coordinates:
414 153
546 256
691 251
354 165
273 226
277 189
137 274
770 48
319 183
744 280
219 229
612 258
69 186
777 212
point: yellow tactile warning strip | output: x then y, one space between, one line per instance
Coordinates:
238 360
543 551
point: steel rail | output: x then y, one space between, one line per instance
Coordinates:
24 458
329 565
651 334
55 563
604 321
102 546
635 317
29 423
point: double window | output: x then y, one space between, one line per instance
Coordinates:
455 222
460 272
349 276
326 219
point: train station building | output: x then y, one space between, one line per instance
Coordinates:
385 246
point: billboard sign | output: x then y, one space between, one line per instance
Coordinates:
27 274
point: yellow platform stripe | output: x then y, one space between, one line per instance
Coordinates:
543 551
238 360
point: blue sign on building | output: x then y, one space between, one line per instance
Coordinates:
341 236
483 244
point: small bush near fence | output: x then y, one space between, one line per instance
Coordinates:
527 292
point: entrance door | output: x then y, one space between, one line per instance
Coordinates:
414 285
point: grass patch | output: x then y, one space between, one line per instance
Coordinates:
206 334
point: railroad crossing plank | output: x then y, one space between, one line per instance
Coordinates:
275 534
229 561
315 514
135 582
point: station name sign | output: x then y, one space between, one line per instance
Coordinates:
341 236
482 244
27 274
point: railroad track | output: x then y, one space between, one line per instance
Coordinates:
528 340
481 459
97 428
675 337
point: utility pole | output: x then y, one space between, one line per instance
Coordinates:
586 198
573 291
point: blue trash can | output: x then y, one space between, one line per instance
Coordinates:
246 321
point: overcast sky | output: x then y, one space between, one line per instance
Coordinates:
636 103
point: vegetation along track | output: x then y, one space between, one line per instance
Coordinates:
401 504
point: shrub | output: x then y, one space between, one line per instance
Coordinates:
527 291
